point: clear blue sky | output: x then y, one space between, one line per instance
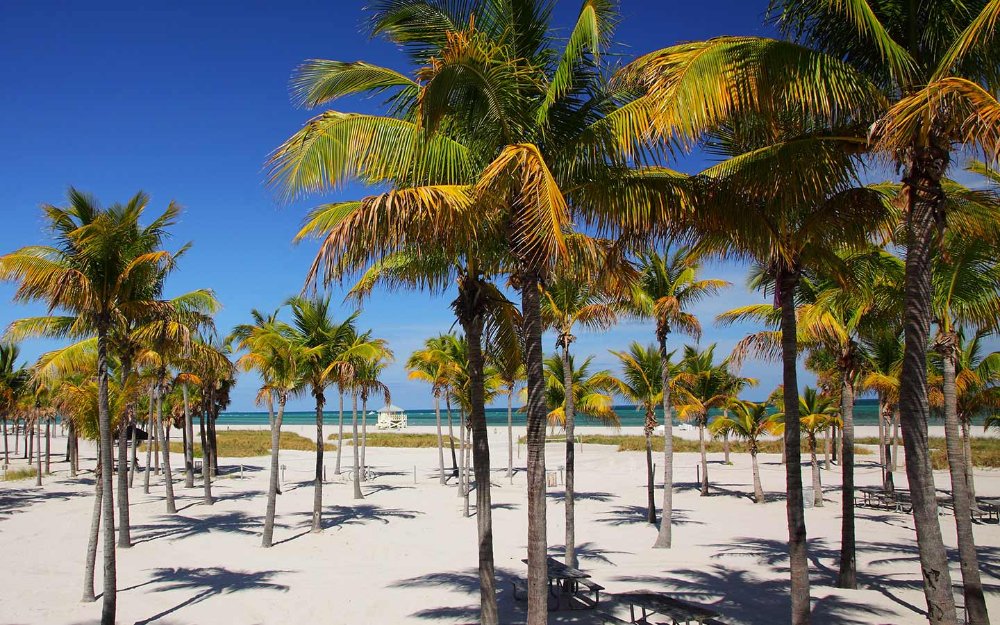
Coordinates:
185 100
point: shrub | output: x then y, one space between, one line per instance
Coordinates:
394 439
249 443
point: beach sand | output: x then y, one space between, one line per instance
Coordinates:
405 554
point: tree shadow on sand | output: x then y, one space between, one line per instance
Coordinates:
177 526
360 514
560 496
466 582
743 598
636 515
20 499
208 582
587 551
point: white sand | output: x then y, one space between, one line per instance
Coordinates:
406 555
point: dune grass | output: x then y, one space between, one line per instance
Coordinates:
985 451
394 439
14 475
249 443
635 442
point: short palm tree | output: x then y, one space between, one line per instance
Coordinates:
708 387
747 421
641 384
817 414
270 348
13 380
430 364
668 286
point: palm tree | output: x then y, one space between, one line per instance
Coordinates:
429 365
528 133
13 381
708 387
367 372
817 414
273 351
925 74
569 302
641 384
591 391
668 287
99 270
749 421
883 354
316 330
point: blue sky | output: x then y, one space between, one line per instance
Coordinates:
185 100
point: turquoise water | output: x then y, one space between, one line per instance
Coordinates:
865 413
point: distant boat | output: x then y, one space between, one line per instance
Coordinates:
391 417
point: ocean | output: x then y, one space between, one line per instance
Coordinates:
865 413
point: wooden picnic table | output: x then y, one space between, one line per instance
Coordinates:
657 603
989 505
565 581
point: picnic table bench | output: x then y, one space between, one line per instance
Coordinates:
878 498
989 506
564 581
679 612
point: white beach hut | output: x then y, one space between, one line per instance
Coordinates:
391 417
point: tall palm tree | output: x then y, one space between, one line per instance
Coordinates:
97 271
272 350
494 153
669 285
568 302
747 421
924 73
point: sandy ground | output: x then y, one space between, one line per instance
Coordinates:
405 554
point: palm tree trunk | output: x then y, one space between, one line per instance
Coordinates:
364 436
38 455
461 456
758 490
925 199
340 431
133 460
317 516
206 463
704 456
894 462
272 483
817 481
481 462
664 537
972 585
970 478
124 524
881 433
650 497
451 432
570 451
109 602
213 443
168 480
437 420
464 476
847 576
357 467
150 438
6 445
887 444
537 540
94 536
17 439
72 448
797 550
188 441
48 446
827 444
725 439
510 431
